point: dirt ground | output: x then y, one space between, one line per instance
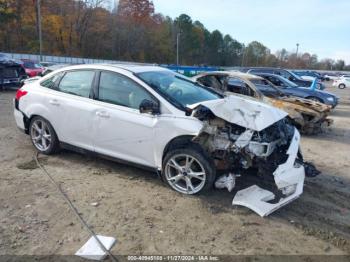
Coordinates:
148 218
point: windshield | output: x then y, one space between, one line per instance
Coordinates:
179 90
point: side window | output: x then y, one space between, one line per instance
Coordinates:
77 83
238 86
275 81
120 90
50 83
211 81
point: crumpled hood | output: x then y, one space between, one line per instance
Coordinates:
243 112
309 104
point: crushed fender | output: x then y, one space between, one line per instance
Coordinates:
289 179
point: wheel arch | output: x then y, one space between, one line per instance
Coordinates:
27 121
176 143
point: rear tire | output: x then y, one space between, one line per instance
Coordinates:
341 86
43 136
189 170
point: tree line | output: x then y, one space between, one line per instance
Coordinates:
134 32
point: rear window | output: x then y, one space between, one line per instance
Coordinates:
50 82
10 73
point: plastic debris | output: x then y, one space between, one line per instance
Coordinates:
226 181
92 250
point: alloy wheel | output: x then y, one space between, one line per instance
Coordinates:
185 174
40 135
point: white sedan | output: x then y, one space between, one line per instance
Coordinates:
342 82
157 119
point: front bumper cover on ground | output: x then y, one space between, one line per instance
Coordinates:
289 178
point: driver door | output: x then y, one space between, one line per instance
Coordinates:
122 131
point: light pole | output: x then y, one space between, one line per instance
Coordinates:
38 10
177 48
297 50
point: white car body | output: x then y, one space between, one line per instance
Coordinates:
127 134
342 81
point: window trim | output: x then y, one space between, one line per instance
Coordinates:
54 86
96 89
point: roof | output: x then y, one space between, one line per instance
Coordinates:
128 67
231 74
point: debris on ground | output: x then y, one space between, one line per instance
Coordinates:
92 250
226 181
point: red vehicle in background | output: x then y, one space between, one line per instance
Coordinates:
31 67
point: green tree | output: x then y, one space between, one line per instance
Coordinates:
255 53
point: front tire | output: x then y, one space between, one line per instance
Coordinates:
188 170
341 86
43 136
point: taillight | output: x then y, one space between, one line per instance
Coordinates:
20 93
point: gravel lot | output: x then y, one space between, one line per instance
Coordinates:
148 218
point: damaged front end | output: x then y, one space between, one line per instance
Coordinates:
258 141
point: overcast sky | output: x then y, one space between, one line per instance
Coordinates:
319 26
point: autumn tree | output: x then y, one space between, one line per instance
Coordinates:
133 32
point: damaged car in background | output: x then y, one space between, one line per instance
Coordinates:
191 135
11 73
307 115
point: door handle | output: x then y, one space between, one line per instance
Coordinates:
54 102
103 114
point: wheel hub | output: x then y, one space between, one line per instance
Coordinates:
185 174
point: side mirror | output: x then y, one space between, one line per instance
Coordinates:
149 107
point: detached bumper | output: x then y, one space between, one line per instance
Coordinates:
289 178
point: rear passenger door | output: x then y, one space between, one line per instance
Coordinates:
71 108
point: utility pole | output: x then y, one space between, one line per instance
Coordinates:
177 48
38 19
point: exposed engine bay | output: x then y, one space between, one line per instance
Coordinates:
270 151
